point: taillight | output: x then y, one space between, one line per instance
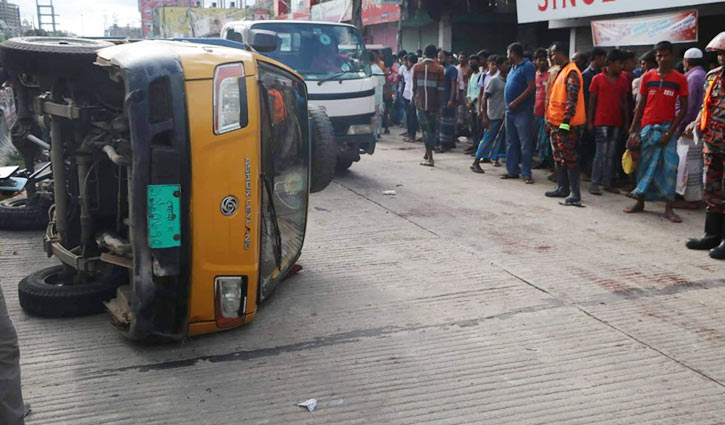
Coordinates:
230 98
231 300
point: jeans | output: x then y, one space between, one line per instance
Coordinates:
518 142
491 146
411 119
603 168
11 398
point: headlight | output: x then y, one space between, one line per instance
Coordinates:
359 129
230 100
231 292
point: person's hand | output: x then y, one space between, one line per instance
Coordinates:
450 104
690 129
486 122
666 137
513 105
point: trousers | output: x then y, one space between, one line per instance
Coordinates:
606 139
714 175
12 411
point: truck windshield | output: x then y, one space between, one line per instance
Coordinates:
319 51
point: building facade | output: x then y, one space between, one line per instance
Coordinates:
10 16
634 25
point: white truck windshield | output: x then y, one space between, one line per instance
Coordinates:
319 51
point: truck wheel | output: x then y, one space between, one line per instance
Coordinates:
49 55
343 164
21 213
56 292
324 150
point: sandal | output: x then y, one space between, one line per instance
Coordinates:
477 169
508 177
427 164
529 181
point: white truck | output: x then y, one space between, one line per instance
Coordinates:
334 63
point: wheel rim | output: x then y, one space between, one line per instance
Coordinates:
59 278
69 42
16 203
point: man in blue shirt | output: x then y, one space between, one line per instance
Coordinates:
447 123
519 97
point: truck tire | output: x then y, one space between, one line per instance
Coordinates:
49 55
324 150
21 213
54 292
343 164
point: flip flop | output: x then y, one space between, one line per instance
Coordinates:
478 170
426 164
508 177
529 181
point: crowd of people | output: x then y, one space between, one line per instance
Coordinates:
652 127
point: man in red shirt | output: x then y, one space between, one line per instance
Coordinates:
608 114
543 145
654 131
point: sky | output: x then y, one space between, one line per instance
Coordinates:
85 17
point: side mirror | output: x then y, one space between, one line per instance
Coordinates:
262 40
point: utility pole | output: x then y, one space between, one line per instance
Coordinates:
357 14
403 12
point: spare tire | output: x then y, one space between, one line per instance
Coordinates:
49 55
56 292
21 213
324 149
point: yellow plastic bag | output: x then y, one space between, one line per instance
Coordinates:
629 164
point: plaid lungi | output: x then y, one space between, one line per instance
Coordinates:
428 123
657 168
447 128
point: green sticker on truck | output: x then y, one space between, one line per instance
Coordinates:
164 223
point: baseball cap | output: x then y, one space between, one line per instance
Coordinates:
693 53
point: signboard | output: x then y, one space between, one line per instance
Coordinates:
332 11
373 11
546 10
677 27
379 11
261 15
183 22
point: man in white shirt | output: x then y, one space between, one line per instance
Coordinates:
411 121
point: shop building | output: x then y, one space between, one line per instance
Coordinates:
629 24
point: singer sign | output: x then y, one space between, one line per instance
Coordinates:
546 10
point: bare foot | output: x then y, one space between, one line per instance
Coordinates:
670 215
638 207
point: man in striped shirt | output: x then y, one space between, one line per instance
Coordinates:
428 87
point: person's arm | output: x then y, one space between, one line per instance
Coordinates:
530 88
637 120
694 101
592 106
678 119
625 107
484 111
480 97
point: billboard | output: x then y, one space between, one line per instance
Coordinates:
146 8
181 22
373 11
546 10
677 27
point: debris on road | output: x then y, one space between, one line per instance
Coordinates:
390 193
310 405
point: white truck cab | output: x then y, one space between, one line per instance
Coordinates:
333 61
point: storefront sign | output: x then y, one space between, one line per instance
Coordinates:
546 10
677 27
373 11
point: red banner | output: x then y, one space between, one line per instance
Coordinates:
677 27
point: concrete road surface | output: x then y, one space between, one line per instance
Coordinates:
462 299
